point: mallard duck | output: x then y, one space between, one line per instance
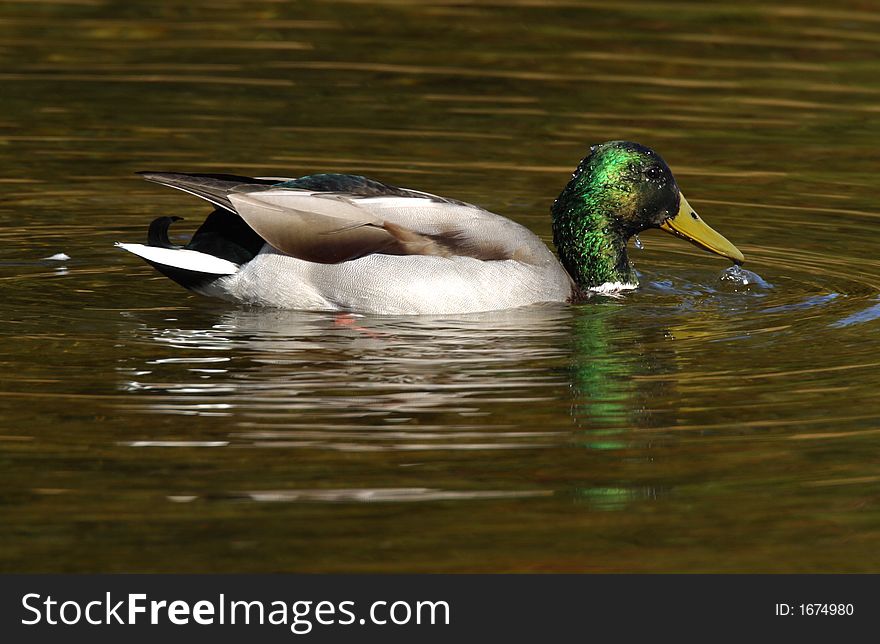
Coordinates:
337 242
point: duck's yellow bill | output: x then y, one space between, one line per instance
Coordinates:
688 225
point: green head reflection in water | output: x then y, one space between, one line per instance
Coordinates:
618 190
611 353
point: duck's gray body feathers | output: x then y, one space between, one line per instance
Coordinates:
359 245
391 284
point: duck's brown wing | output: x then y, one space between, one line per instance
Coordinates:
336 227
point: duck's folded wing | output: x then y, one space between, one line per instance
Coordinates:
214 188
333 227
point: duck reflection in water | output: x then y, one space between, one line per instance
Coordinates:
481 383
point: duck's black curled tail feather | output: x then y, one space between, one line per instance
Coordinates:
157 235
211 187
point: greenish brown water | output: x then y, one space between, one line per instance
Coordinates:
684 427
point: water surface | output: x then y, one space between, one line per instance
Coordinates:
691 425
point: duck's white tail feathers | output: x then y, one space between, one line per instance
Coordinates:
182 258
190 268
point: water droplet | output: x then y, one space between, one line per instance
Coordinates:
737 278
638 242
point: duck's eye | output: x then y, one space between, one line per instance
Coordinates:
654 173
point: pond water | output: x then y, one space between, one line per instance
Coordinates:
695 424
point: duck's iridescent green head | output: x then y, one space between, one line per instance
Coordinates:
618 190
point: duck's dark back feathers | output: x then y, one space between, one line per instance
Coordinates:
227 236
355 185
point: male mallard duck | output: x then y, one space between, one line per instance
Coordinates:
336 242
